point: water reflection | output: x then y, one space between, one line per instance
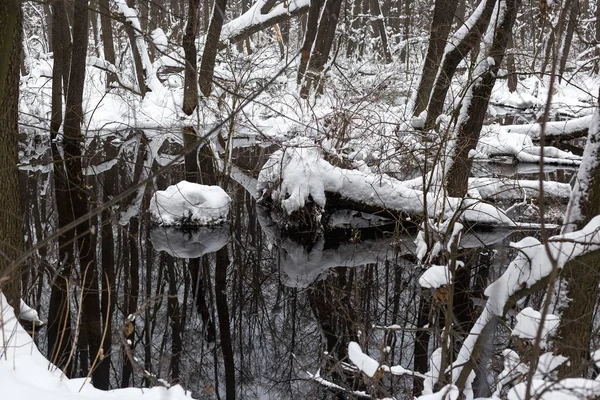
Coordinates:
189 243
245 309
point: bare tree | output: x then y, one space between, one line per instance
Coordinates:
443 14
477 98
322 47
211 47
467 37
11 230
190 91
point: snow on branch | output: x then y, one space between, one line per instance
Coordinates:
573 128
131 17
255 20
529 269
298 174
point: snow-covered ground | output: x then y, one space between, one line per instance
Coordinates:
26 374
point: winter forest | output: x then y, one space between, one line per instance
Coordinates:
299 199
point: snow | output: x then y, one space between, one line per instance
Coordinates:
509 189
565 389
436 276
253 16
548 363
528 324
364 363
531 264
585 176
159 39
448 392
189 203
27 313
26 374
298 173
553 128
496 140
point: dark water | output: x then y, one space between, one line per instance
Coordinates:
244 309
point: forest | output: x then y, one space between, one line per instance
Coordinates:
300 199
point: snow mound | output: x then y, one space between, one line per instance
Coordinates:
365 363
26 374
434 277
528 324
298 174
189 203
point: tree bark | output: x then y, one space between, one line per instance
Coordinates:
476 102
451 60
11 229
107 38
59 317
443 14
322 46
379 26
190 91
583 278
73 139
140 73
223 316
209 56
568 39
310 34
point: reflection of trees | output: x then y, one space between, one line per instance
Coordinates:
250 317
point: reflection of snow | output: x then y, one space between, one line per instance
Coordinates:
189 244
189 203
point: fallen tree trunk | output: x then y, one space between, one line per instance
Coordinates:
299 182
253 20
571 129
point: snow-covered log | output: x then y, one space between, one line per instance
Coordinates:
254 20
298 176
571 129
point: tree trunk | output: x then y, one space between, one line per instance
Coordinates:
140 73
379 27
11 229
566 45
443 14
59 317
223 316
597 37
107 39
312 26
190 91
454 56
355 28
209 56
322 46
510 64
476 102
405 30
91 327
583 279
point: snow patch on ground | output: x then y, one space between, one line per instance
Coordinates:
26 374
